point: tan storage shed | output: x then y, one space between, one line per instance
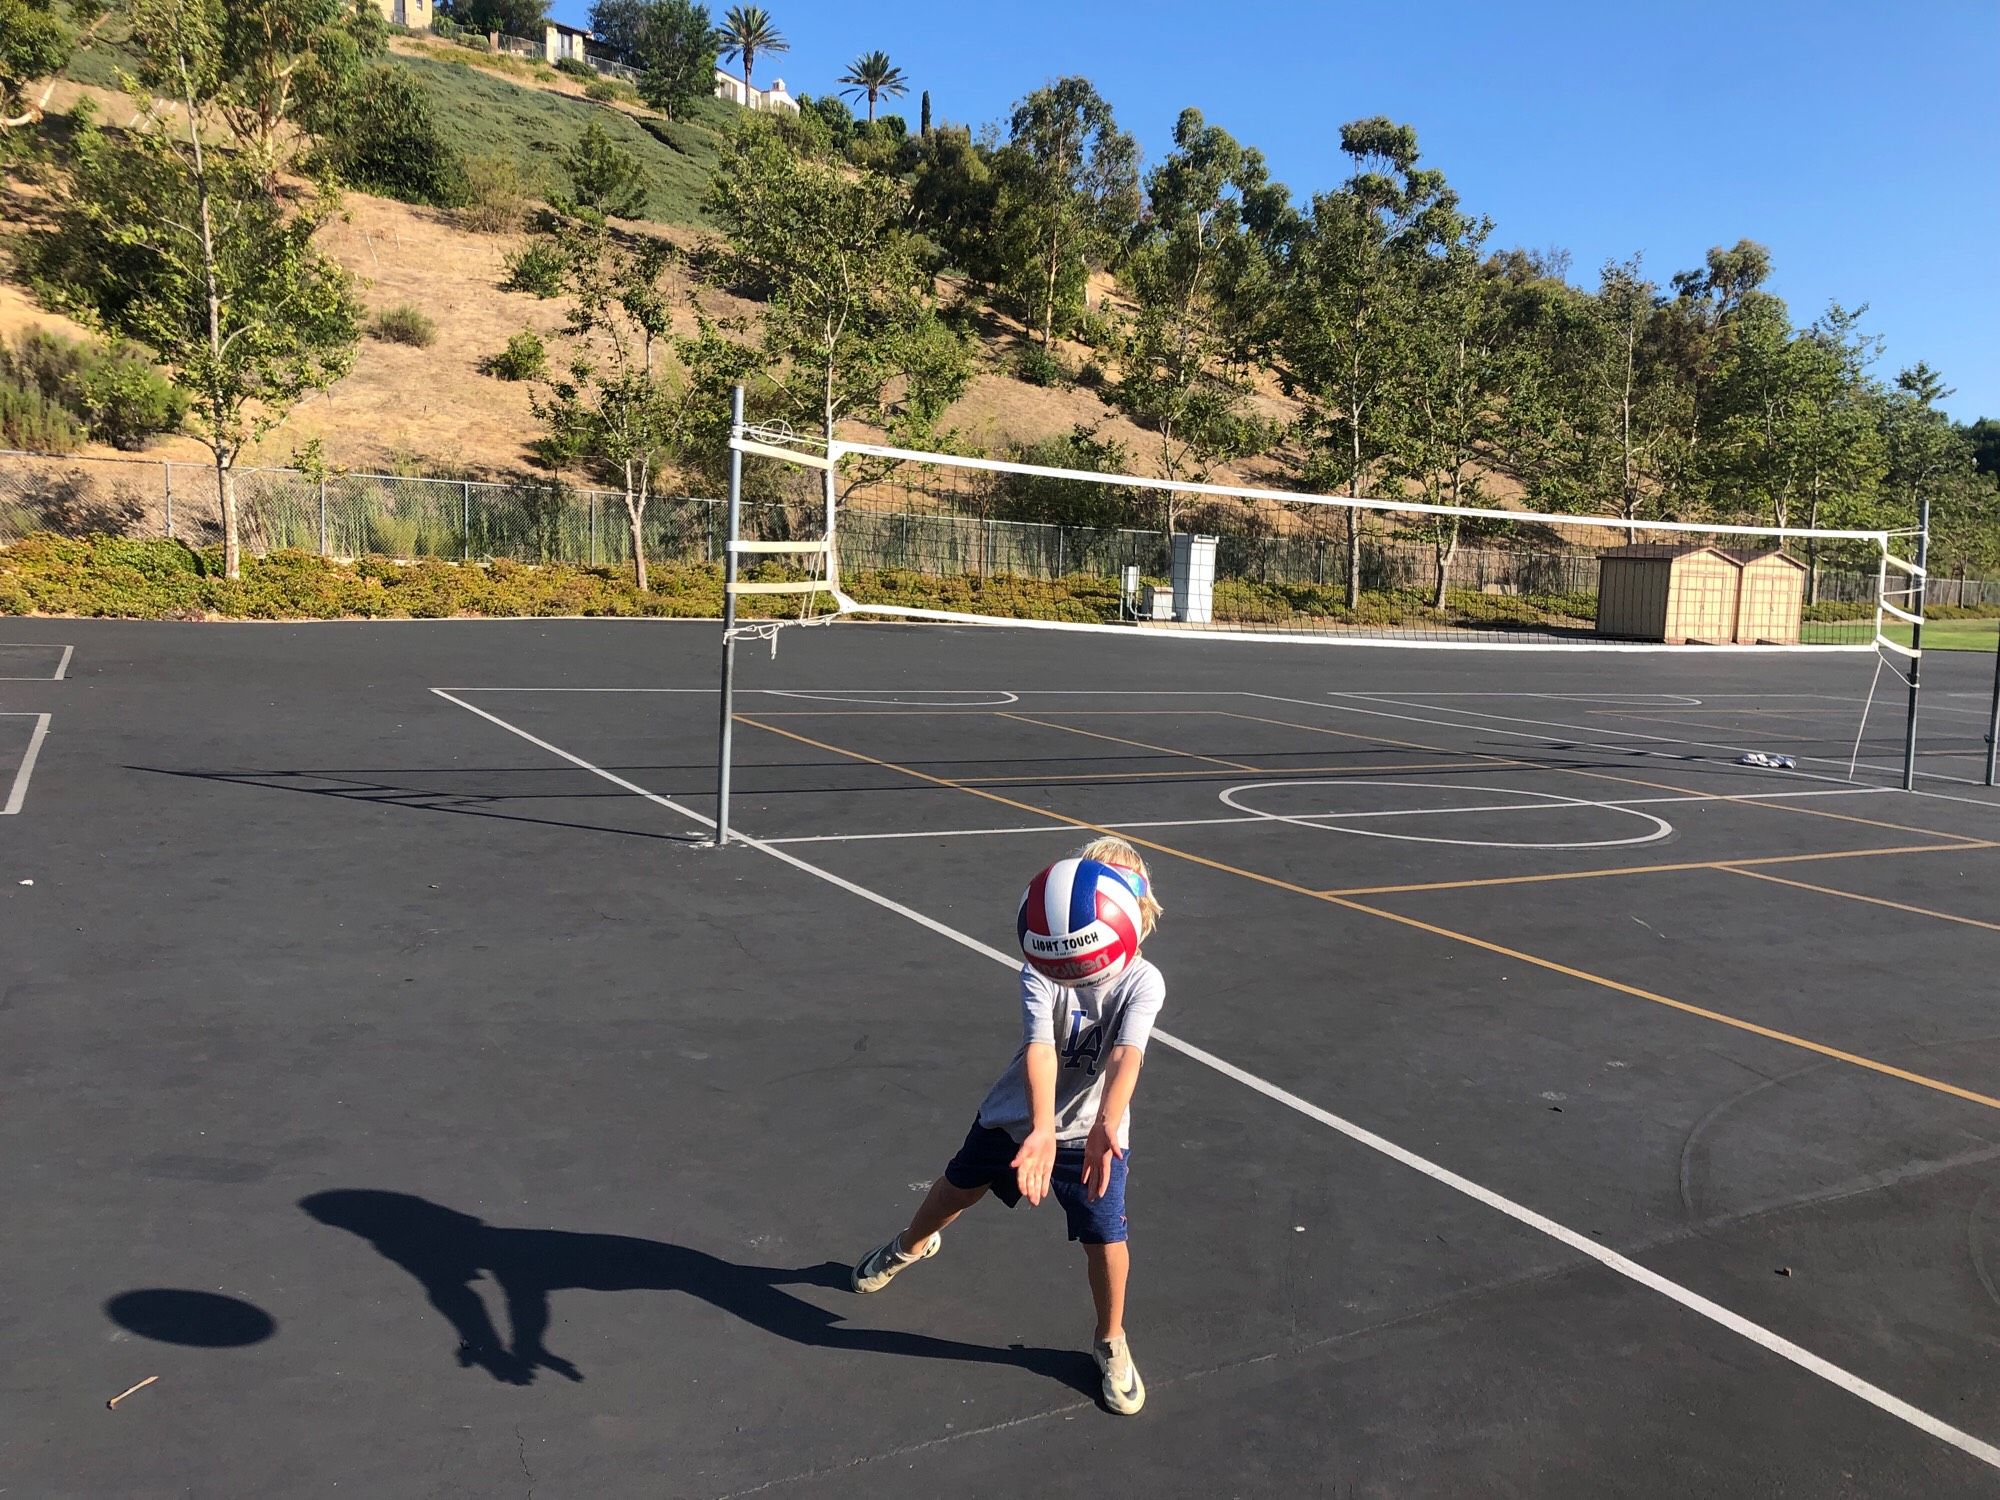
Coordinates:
1771 600
1676 594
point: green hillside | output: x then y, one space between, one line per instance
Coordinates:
485 115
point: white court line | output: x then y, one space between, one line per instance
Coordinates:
1630 734
19 794
1622 1265
966 833
62 663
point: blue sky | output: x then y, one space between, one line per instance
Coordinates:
1860 142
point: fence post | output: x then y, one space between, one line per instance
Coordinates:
465 519
324 549
593 528
167 464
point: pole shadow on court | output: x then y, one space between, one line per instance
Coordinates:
446 1251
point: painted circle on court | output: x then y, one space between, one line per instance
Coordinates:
913 698
1339 821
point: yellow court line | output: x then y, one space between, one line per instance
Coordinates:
1214 760
1696 864
1854 1059
1831 890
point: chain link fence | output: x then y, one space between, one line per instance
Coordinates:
352 515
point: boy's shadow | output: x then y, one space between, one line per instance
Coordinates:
447 1251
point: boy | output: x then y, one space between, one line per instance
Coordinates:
1058 1120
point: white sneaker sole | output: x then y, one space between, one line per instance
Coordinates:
881 1279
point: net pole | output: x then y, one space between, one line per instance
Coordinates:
1993 722
1922 592
728 693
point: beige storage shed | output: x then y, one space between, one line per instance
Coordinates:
1771 600
1676 594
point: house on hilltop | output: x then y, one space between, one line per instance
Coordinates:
412 15
773 99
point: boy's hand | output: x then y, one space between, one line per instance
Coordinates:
1099 1152
1034 1163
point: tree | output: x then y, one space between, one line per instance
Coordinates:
1069 190
619 25
746 31
523 18
1591 408
1984 436
850 330
610 404
1346 332
170 238
36 43
870 76
924 115
292 63
605 178
1453 395
676 51
1199 276
382 136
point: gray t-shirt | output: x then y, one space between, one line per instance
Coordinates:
1083 1024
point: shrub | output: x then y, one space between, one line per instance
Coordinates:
387 141
1040 366
576 67
1091 377
536 267
496 196
404 324
110 390
128 400
600 89
32 422
524 358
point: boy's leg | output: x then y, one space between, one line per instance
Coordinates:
943 1203
1110 1265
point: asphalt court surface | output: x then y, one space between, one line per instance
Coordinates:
542 1138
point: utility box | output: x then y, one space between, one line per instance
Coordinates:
1194 579
1156 604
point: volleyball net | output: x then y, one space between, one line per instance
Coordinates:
868 530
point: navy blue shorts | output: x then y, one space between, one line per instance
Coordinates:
986 1161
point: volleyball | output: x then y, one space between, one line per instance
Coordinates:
1079 923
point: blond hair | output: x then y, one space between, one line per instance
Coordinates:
1121 855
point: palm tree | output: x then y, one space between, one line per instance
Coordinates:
746 31
871 74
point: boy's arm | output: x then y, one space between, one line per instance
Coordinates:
1121 1077
1036 1159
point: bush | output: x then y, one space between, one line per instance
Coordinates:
388 141
576 67
600 89
537 267
404 324
128 400
496 196
1040 366
524 358
1091 377
111 390
32 422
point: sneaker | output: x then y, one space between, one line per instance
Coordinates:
881 1265
1124 1391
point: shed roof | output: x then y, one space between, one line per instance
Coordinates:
1664 549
